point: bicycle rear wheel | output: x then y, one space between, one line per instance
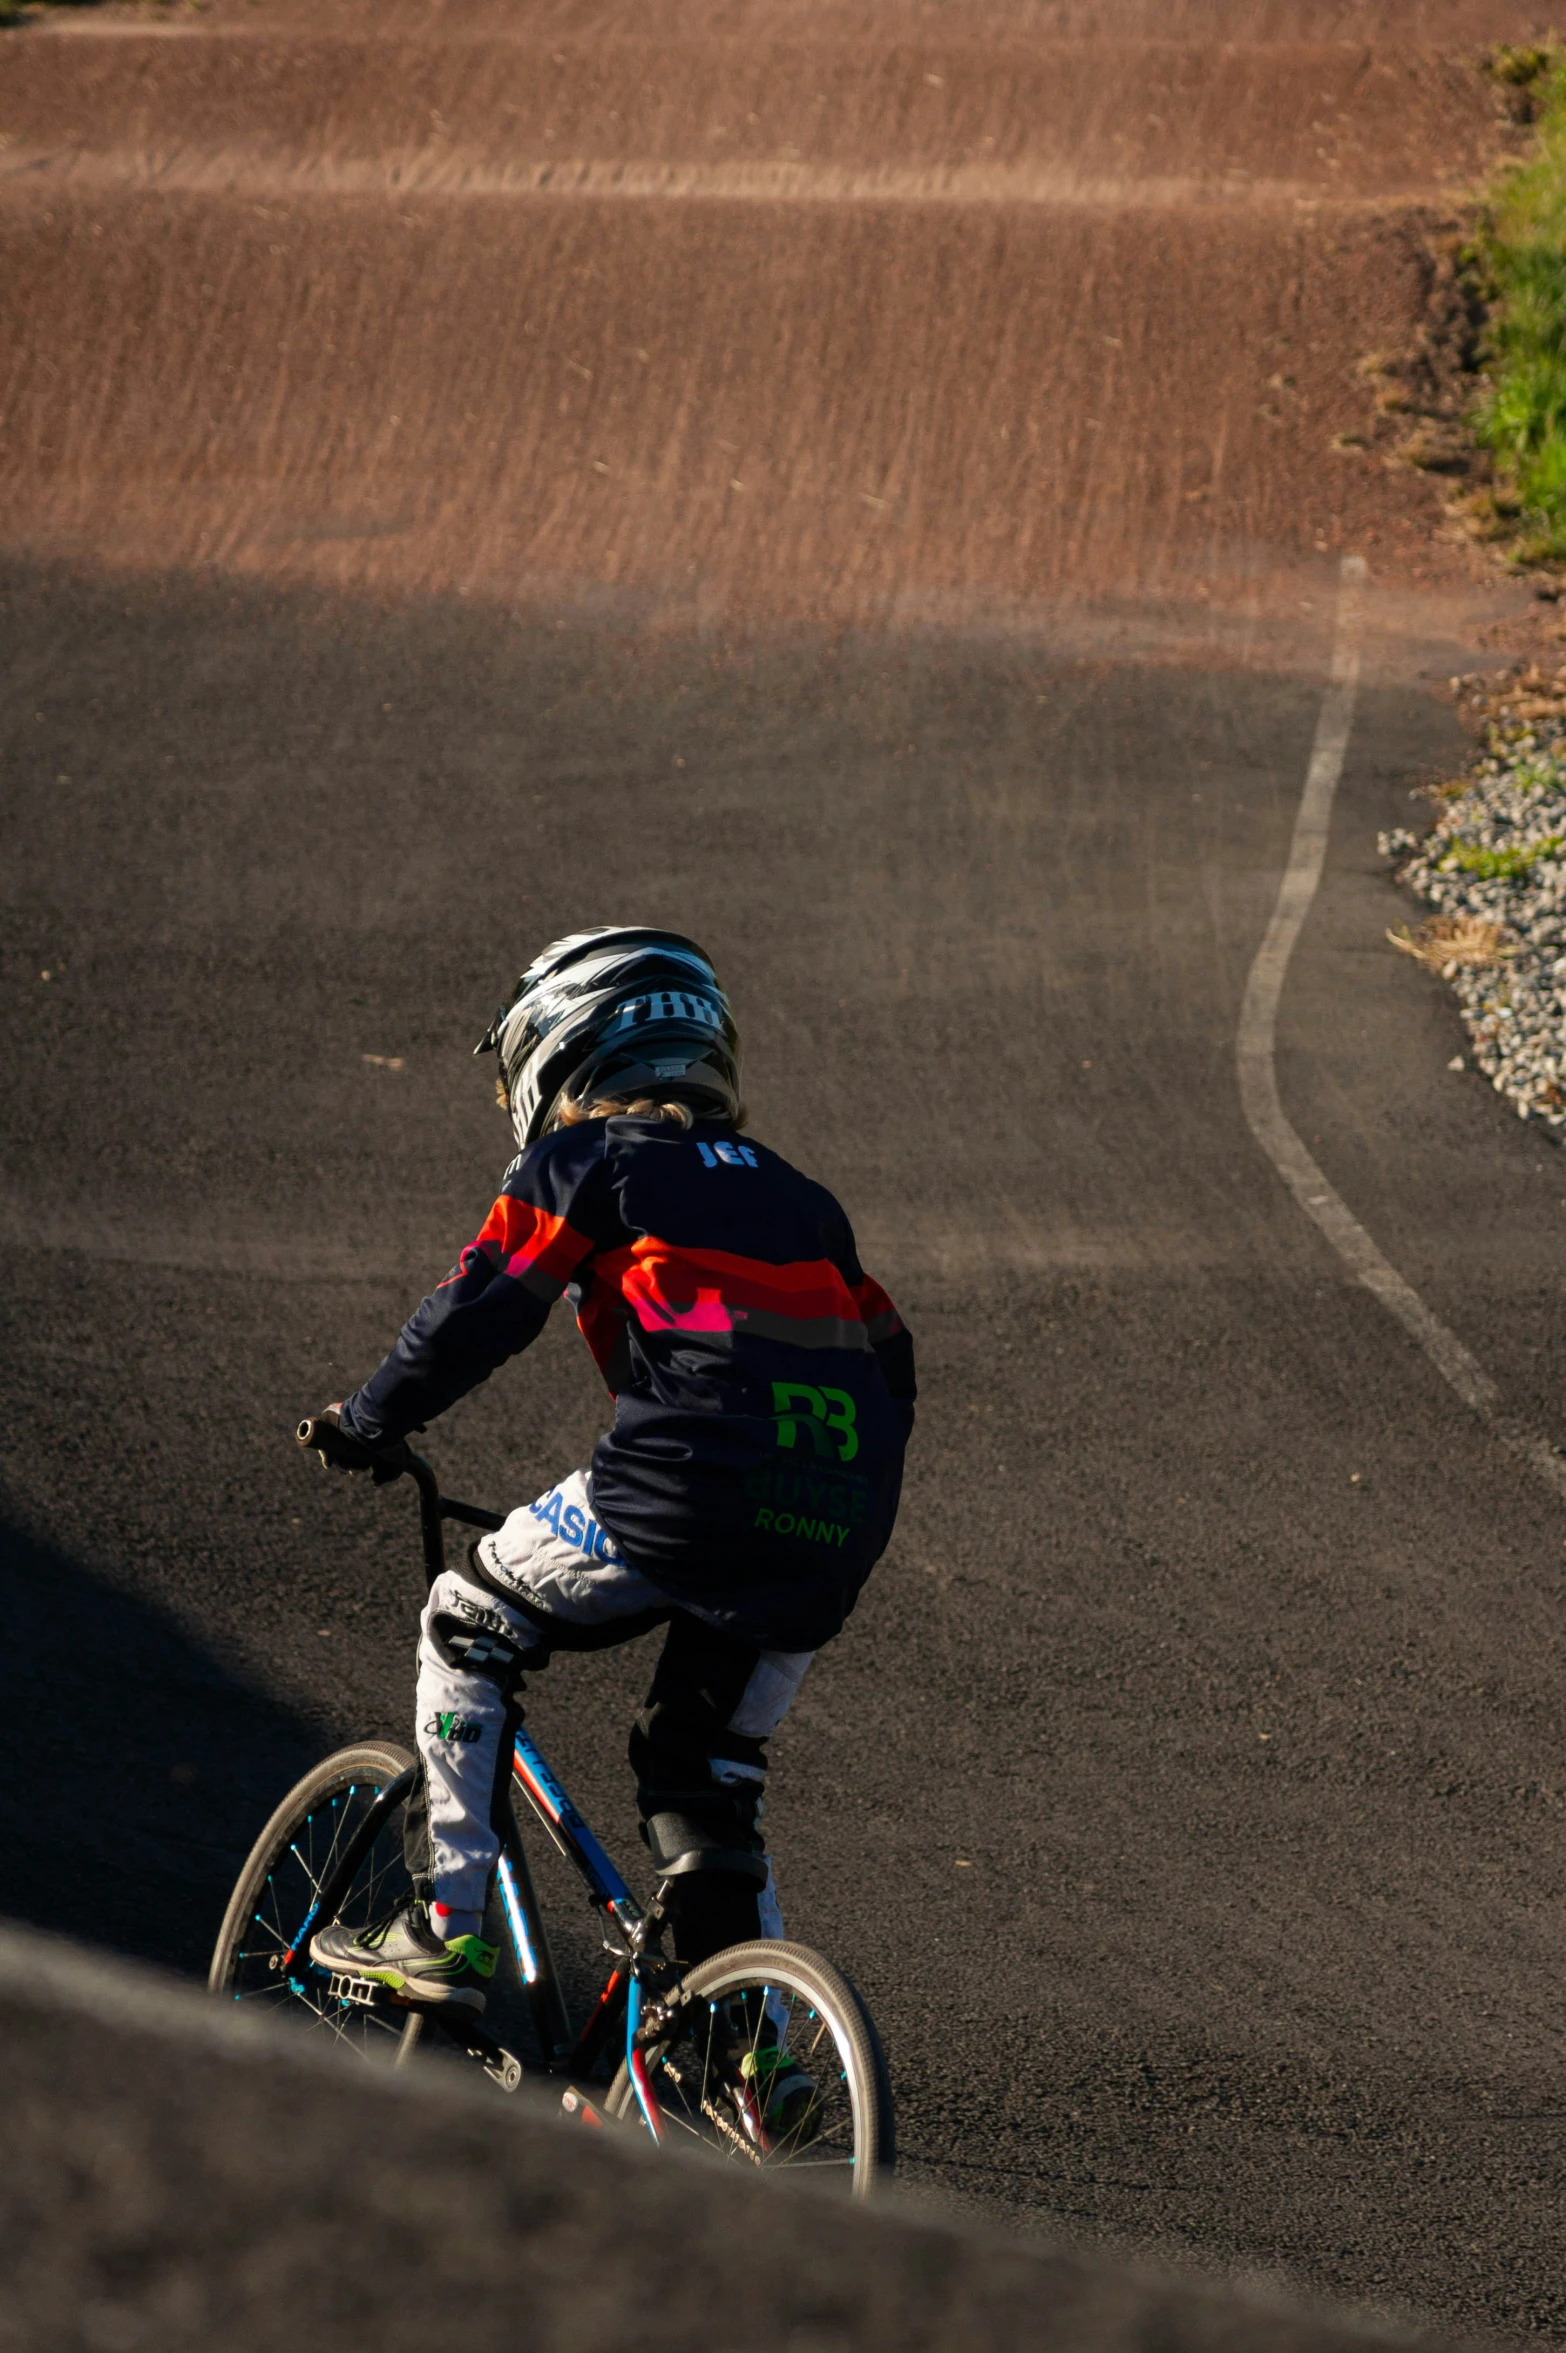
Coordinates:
332 1851
768 2014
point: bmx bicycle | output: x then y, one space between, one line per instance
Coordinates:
689 2055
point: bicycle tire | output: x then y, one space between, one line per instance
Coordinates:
771 1970
310 1833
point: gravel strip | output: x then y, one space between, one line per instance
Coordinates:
1493 869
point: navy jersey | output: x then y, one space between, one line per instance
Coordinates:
763 1384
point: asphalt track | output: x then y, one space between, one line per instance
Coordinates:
1187 1793
177 2171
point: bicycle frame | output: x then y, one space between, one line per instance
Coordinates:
626 1932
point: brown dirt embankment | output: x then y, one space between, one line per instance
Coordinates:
793 313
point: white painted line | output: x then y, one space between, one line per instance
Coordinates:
1254 1055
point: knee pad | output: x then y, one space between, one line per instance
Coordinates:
682 1839
467 1650
707 1829
699 1807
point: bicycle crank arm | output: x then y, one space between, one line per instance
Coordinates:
464 2032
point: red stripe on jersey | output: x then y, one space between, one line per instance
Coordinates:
519 1240
671 1286
875 1307
601 1320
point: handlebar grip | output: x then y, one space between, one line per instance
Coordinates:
334 1445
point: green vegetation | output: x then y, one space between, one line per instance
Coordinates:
1522 252
1519 67
1498 865
21 12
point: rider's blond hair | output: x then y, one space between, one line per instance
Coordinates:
575 1109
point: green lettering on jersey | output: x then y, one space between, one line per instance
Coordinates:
825 1415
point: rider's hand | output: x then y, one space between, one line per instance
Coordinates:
340 1451
389 1461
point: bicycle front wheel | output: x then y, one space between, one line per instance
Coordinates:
332 1851
767 2057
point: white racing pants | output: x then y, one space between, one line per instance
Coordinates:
550 1579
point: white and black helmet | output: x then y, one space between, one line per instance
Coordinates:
615 1012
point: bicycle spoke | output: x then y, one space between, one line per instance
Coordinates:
704 2096
340 1816
305 1867
315 1884
718 2072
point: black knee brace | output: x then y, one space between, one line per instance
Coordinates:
688 1831
708 1910
699 1811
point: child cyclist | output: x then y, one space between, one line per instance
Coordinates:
763 1389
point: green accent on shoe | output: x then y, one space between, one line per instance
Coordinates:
407 1958
789 2101
480 1957
764 2062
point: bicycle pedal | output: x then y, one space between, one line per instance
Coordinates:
355 1991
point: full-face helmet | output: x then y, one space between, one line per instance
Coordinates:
615 1013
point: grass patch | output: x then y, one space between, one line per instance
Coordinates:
21 12
1522 253
1498 865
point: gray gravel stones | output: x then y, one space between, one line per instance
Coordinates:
1493 869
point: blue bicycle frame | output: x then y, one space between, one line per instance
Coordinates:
626 1930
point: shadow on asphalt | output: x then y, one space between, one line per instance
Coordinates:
140 1765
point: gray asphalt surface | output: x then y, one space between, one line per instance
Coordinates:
1186 1793
179 2172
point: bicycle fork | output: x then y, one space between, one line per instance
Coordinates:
636 2065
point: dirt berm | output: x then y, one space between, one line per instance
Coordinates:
177 2175
734 314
